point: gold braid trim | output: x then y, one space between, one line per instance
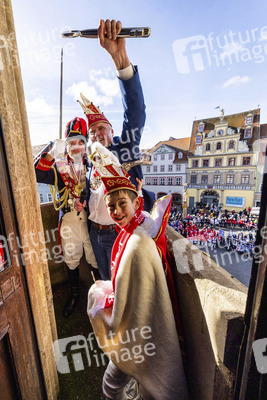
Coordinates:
63 198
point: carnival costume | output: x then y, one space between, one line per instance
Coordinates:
68 179
134 310
126 149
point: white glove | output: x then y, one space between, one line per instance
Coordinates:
58 148
97 296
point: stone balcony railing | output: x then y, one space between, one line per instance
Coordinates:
212 305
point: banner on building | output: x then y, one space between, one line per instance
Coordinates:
235 201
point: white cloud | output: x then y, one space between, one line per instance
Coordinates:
94 74
101 88
39 107
109 88
236 81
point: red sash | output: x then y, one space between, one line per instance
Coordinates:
168 263
118 250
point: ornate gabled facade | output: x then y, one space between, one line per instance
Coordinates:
222 162
165 168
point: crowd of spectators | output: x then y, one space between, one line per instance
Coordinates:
217 228
215 217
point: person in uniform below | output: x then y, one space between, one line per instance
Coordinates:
133 315
125 147
67 172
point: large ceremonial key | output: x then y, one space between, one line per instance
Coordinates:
92 33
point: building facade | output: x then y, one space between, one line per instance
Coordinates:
165 168
44 192
222 162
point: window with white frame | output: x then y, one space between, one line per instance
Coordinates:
162 181
148 168
170 168
217 179
200 127
155 157
162 168
49 197
155 181
178 167
162 156
245 179
170 156
231 161
169 181
148 181
249 119
155 168
198 139
41 197
230 178
178 181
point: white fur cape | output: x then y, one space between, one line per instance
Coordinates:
141 320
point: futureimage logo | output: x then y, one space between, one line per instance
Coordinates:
260 354
199 52
77 353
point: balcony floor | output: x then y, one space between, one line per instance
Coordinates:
85 384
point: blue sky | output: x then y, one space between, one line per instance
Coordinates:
199 55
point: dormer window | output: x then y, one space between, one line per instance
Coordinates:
231 145
248 132
249 118
208 147
180 154
201 127
219 146
198 139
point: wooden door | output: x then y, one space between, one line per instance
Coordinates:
20 372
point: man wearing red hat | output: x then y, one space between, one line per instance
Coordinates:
67 173
125 147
